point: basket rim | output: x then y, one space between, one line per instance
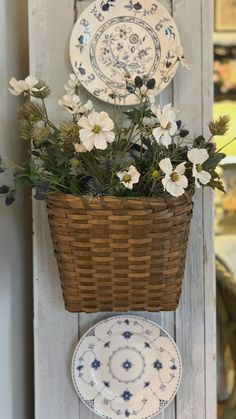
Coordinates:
166 196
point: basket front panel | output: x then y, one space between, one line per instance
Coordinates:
120 257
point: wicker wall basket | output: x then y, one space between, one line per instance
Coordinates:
120 254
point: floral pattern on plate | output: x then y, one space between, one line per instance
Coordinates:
113 40
126 366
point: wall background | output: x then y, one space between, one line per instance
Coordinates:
16 363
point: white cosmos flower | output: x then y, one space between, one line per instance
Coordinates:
71 85
24 86
168 127
96 130
174 182
198 156
80 148
73 104
129 177
178 51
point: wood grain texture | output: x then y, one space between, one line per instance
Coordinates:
208 221
190 317
195 337
56 331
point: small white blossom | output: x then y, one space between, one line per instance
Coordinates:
24 86
178 51
143 90
71 85
198 156
96 130
73 104
130 177
80 148
149 94
167 118
174 182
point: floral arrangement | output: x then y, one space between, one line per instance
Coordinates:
144 153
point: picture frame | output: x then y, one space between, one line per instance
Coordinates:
225 15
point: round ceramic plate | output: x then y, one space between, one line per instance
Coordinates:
115 38
126 367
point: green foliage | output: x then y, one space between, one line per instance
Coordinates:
57 165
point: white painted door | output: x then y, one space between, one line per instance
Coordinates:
193 324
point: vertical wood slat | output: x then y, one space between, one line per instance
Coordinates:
190 316
166 320
56 330
208 220
195 327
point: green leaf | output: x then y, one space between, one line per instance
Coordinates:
217 184
212 162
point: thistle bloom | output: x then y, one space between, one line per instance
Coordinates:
96 130
73 104
178 51
198 156
220 126
24 86
130 177
174 182
167 120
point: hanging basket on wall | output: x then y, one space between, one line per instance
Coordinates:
120 254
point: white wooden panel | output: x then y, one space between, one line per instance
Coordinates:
208 221
190 316
165 320
57 331
16 361
195 327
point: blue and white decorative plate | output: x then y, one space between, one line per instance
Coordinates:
126 367
113 38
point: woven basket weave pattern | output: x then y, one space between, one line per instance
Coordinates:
120 254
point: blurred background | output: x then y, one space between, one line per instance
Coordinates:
225 207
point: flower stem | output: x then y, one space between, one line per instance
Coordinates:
217 151
167 74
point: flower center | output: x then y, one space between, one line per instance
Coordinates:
127 178
199 168
174 177
168 126
76 163
156 174
97 129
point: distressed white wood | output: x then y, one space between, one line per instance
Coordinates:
190 317
195 320
56 331
16 361
208 223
